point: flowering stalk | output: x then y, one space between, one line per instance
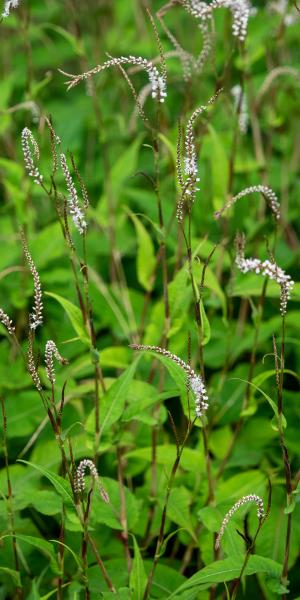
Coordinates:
7 322
267 269
9 4
244 500
50 351
191 179
31 365
30 151
75 210
240 10
36 317
79 481
194 381
241 106
267 193
157 79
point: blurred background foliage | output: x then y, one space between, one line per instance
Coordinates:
99 124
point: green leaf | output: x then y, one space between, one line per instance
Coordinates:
76 558
219 168
138 577
61 485
74 315
212 283
166 454
179 509
229 569
113 401
15 575
145 262
270 401
74 42
205 326
42 545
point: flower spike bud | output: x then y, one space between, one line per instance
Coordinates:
189 185
30 150
36 317
31 365
244 500
79 482
194 381
50 351
7 322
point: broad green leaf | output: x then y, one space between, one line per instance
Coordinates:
61 485
125 166
179 509
270 401
75 42
165 581
113 401
166 455
240 485
74 315
229 569
138 578
145 263
109 513
42 545
14 575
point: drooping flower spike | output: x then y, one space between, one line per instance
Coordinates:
244 500
9 4
267 269
157 79
267 193
7 322
50 352
79 481
194 380
240 11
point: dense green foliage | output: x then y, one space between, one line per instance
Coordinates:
133 279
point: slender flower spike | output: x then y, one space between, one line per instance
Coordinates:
157 79
240 103
9 4
31 365
30 151
267 269
79 482
36 317
190 184
240 11
50 351
7 322
244 500
75 210
194 381
267 193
